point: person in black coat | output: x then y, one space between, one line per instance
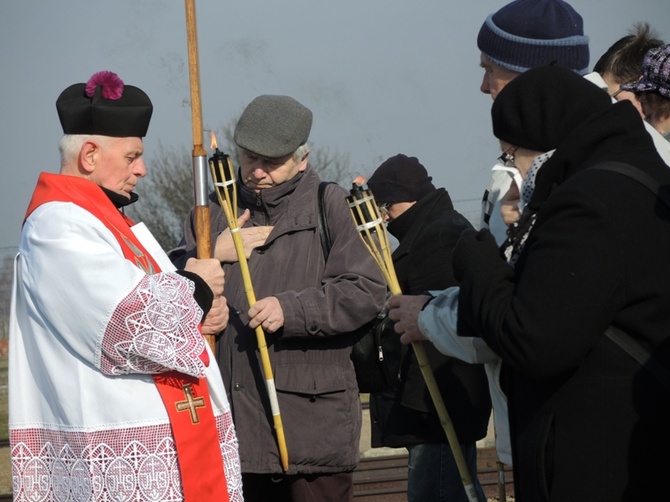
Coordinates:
591 250
427 227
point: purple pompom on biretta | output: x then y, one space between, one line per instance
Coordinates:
110 84
104 106
655 73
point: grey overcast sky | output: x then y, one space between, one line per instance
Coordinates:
381 76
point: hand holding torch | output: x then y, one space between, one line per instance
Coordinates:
224 178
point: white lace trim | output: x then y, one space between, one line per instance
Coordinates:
122 465
155 328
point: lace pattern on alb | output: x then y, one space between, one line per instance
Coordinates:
154 329
120 465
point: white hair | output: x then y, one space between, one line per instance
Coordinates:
70 145
301 152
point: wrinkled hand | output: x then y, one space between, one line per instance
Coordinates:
473 247
252 237
509 205
267 313
404 310
217 317
210 271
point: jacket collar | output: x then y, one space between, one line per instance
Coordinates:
419 214
270 197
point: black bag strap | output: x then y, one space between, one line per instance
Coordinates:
640 176
620 337
324 233
640 354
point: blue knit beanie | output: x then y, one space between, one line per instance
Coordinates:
526 34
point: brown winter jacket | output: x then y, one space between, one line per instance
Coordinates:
310 356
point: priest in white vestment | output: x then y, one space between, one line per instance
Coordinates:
113 393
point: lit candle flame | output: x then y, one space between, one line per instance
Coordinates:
360 181
213 145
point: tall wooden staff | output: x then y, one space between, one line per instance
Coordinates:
223 175
204 249
373 232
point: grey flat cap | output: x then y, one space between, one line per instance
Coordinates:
273 126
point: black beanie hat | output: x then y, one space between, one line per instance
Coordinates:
400 179
104 106
541 107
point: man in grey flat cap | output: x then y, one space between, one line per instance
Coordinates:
308 306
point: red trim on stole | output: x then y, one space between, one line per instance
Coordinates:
186 398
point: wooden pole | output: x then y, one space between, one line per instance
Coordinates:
199 154
373 233
224 183
501 481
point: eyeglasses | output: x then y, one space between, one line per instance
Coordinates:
615 94
507 157
384 208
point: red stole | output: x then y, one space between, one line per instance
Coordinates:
186 398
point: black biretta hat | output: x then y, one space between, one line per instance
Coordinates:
104 106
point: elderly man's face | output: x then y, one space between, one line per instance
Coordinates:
495 77
118 163
259 173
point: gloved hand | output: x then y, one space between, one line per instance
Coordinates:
472 249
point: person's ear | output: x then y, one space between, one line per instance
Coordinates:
303 162
88 156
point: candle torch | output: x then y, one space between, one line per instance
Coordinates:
224 179
372 231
